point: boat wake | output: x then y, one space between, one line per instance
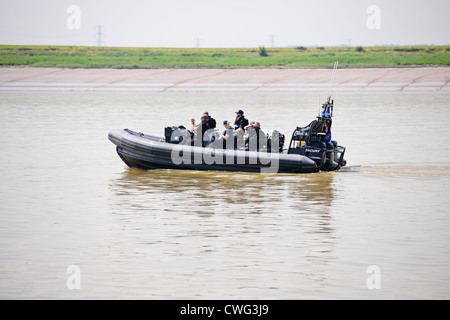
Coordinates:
424 171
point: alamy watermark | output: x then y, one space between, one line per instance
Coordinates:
374 20
73 22
213 150
374 280
73 281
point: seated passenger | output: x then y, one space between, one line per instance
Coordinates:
228 130
327 131
256 139
226 134
250 125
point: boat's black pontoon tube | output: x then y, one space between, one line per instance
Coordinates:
150 152
310 150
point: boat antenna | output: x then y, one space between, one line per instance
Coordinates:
333 75
327 107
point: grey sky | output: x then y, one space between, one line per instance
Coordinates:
229 23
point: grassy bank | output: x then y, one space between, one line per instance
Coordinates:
136 58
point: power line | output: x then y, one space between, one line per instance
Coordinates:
272 40
197 42
99 35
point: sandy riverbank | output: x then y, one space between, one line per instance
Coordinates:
360 80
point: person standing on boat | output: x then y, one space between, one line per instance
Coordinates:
202 125
211 121
239 129
240 122
200 129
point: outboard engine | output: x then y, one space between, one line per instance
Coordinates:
314 141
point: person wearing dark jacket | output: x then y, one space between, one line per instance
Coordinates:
200 129
240 122
239 129
211 121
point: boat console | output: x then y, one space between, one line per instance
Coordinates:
314 141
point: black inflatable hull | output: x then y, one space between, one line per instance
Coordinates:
138 150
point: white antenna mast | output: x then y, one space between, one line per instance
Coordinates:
332 77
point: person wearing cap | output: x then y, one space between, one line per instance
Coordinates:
240 122
228 130
251 125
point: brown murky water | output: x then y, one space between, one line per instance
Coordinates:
68 200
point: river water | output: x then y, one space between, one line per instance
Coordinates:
75 222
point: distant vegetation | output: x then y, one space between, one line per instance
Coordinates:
263 51
139 58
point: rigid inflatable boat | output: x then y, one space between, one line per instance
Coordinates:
310 150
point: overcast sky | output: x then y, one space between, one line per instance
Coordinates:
225 23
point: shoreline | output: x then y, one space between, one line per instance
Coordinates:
418 79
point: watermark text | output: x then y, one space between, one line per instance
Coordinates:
374 280
374 20
73 22
74 279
